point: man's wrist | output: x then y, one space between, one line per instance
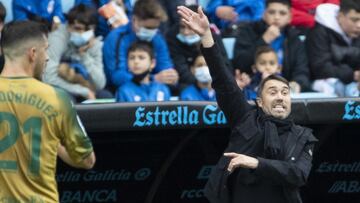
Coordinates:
207 40
254 163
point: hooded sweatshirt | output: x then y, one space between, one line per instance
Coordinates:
331 53
326 15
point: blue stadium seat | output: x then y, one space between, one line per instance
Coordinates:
67 5
229 44
203 3
8 7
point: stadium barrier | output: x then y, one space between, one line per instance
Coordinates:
164 152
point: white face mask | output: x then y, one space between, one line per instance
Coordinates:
80 39
202 74
146 34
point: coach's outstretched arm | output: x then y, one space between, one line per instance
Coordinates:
228 94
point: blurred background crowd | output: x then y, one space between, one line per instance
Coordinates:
139 50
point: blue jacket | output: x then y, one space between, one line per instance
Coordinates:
119 75
193 93
248 10
132 92
47 9
86 2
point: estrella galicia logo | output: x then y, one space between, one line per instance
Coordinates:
352 111
180 115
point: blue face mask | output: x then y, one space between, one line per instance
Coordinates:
80 39
146 34
188 39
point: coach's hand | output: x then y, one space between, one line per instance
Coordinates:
198 22
241 160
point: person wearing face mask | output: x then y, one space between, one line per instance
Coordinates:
274 31
146 19
142 88
184 47
201 90
75 56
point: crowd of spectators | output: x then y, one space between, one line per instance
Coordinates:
139 50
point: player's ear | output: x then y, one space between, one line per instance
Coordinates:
32 53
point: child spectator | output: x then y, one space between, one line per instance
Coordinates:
146 19
201 90
141 88
47 11
274 31
75 56
334 48
266 63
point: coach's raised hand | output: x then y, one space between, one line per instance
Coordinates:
198 22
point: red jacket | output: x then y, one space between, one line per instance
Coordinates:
303 11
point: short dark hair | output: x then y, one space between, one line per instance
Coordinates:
271 77
142 46
263 49
347 5
82 14
2 13
17 33
285 2
149 9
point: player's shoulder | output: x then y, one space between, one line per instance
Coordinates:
47 89
57 95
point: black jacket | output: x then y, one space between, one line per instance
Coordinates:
183 55
327 57
282 177
295 64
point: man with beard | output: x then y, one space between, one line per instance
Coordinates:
37 121
268 157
